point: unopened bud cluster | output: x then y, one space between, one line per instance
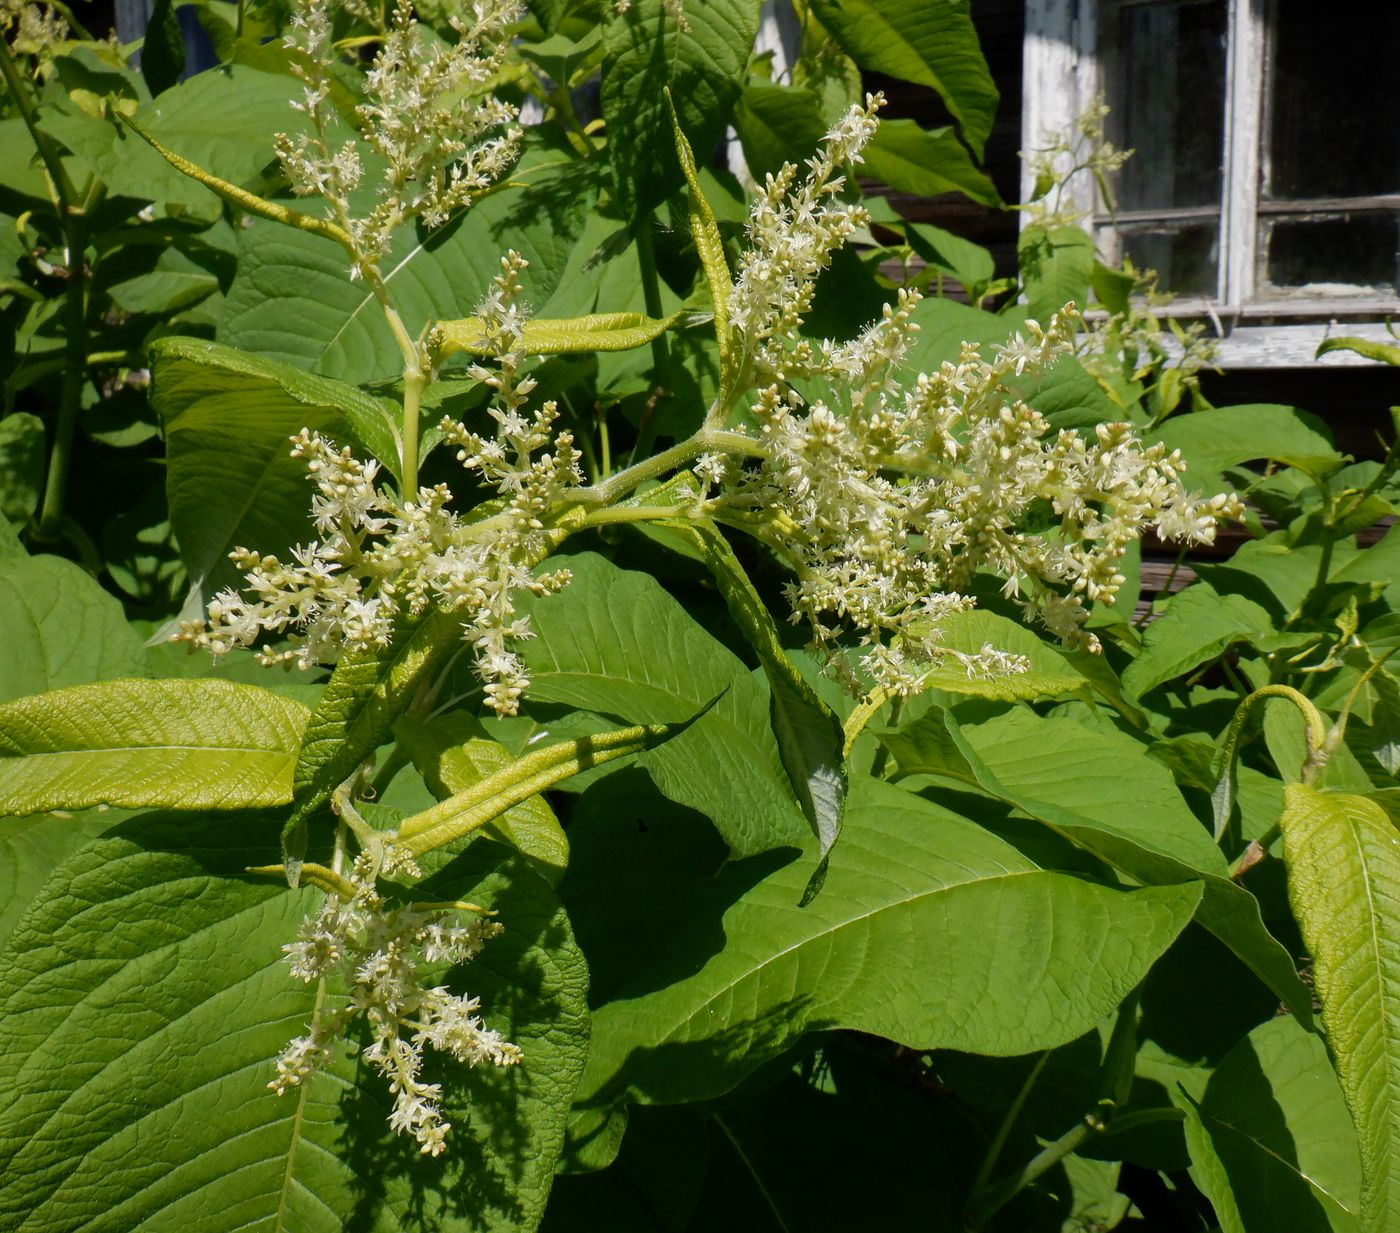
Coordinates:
382 955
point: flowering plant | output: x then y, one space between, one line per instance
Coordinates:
550 819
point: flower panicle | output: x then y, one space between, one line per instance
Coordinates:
377 556
426 119
901 488
382 955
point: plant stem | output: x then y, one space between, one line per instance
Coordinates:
991 1203
651 292
707 440
51 516
64 194
1003 1131
417 376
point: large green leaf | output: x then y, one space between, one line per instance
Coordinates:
809 733
1101 790
32 848
614 641
198 744
930 931
293 299
1055 265
1271 1144
645 52
1343 860
1196 625
58 627
134 1096
776 125
231 479
1046 673
926 162
221 119
944 325
1212 441
933 44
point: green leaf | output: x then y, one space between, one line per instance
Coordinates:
199 744
646 52
32 848
453 752
58 627
777 124
292 299
1056 266
704 230
614 641
1103 792
231 479
1343 859
1047 674
926 162
169 1039
596 332
365 696
22 457
929 44
176 282
1196 625
1271 1144
809 733
945 324
971 264
163 49
1212 441
1385 353
898 944
219 119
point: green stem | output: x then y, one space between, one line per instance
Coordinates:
707 440
51 516
1069 1142
64 194
1003 1131
417 376
634 513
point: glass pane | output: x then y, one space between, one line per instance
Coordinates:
1183 254
1334 98
1330 256
1167 95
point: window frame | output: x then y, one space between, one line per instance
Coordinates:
1061 78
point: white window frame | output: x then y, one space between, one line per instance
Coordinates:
1061 79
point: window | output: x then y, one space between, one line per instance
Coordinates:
1265 188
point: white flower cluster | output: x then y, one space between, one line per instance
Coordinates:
32 29
794 227
424 117
377 556
888 494
381 954
1066 155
